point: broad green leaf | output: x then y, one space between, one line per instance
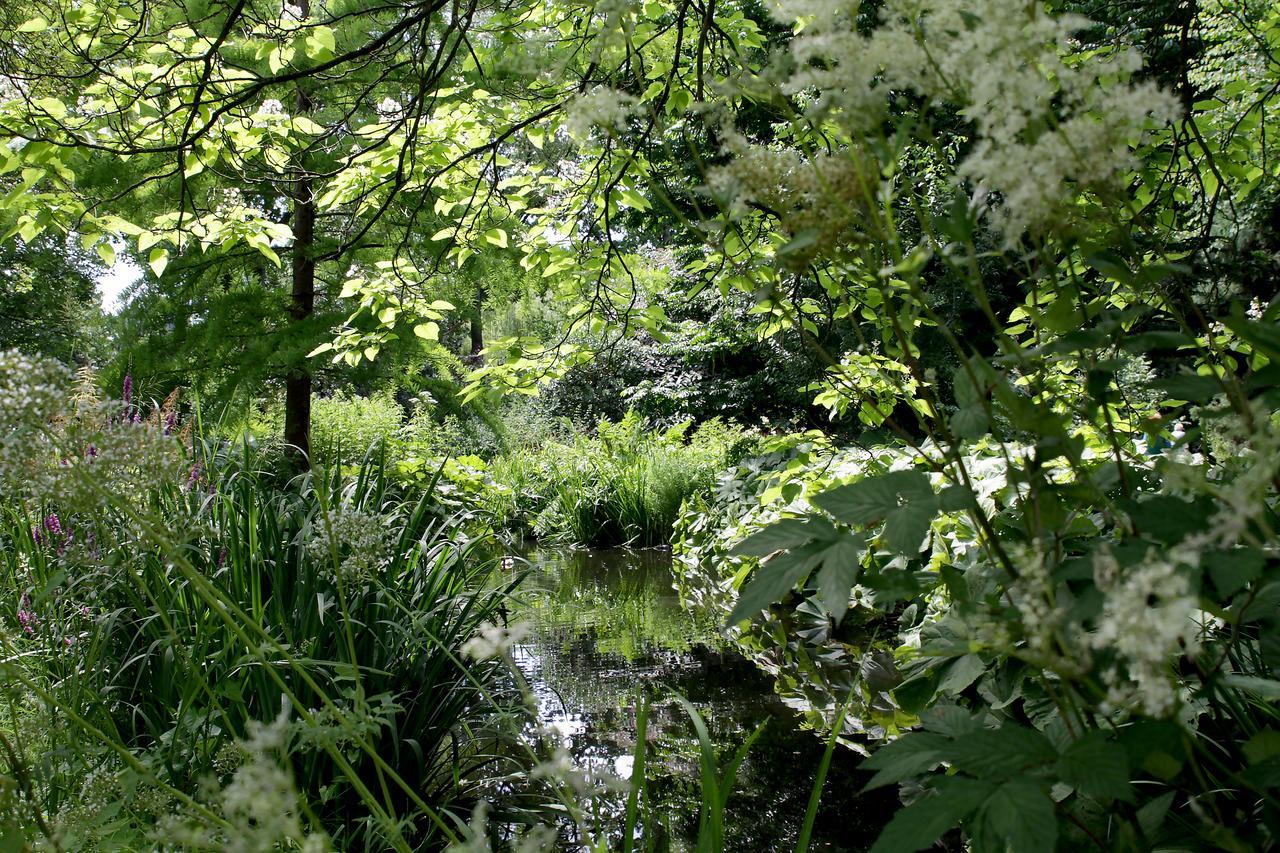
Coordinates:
158 261
1233 570
923 822
1096 768
910 755
839 570
106 252
781 535
775 579
1019 816
871 499
497 237
961 672
35 25
906 527
321 43
1001 753
429 330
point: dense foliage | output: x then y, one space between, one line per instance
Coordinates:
940 337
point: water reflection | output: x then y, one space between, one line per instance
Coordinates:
607 624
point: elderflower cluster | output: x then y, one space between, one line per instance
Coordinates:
1148 620
360 539
821 199
492 641
604 108
1044 124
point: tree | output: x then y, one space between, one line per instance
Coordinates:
194 120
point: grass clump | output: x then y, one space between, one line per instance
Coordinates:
624 485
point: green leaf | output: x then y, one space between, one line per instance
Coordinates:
320 43
158 261
106 252
775 579
840 565
907 527
1189 387
779 536
872 498
962 672
429 330
1001 753
1096 768
923 822
971 422
35 25
1263 688
497 237
632 198
910 755
1018 816
1233 570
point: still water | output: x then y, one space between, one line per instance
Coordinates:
607 625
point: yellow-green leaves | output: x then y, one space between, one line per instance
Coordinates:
158 260
320 44
429 331
35 25
496 237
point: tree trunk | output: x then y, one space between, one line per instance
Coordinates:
297 387
477 327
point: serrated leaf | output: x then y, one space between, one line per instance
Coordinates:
910 755
779 536
924 821
906 528
1001 753
1019 816
839 571
1096 768
775 579
871 499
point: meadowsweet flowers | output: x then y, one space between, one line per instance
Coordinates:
607 109
495 640
1046 125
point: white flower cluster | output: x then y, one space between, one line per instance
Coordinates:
607 109
1148 621
820 199
1044 123
271 107
493 641
360 539
260 802
389 108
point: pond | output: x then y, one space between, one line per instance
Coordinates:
607 625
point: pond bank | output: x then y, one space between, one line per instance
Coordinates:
606 625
